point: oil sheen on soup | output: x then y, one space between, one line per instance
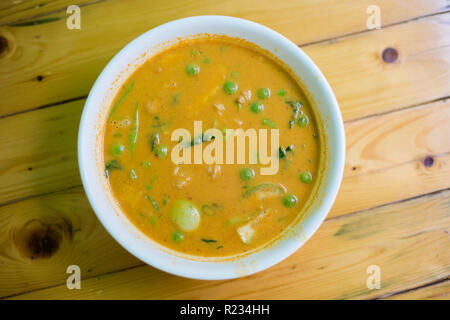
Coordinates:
210 209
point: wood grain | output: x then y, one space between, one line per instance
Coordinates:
392 209
364 84
286 13
439 291
389 177
332 265
53 64
41 157
14 11
41 237
385 157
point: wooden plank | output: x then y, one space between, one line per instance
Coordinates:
41 237
41 156
439 291
389 177
52 63
364 84
18 10
407 240
352 13
38 151
385 157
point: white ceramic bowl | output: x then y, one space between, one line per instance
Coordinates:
90 150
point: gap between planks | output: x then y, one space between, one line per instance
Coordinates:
303 45
423 286
443 100
383 296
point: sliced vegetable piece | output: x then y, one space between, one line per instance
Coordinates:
132 136
121 99
248 231
281 152
153 202
270 123
154 141
132 175
242 218
295 105
264 190
185 215
112 165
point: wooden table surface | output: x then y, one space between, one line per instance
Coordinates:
392 211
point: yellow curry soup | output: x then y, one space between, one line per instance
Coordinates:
209 210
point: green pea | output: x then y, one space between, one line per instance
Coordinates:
264 93
117 149
230 87
185 215
302 121
281 93
290 201
177 237
305 177
161 151
256 107
247 174
192 69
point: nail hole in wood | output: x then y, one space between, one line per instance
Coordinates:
39 78
428 161
389 55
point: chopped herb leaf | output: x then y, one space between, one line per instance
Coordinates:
209 240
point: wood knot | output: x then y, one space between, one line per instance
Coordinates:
428 161
3 44
389 55
7 44
40 240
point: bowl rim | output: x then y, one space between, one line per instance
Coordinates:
228 269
